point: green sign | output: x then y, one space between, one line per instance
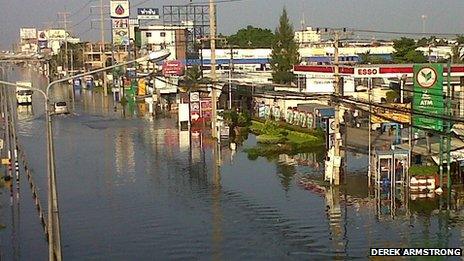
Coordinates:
428 105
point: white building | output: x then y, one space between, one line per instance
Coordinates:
242 59
172 38
307 37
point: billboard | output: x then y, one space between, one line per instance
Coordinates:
148 14
119 9
175 68
28 33
428 96
57 34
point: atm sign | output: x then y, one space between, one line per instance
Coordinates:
367 72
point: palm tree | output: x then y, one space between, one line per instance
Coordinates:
456 49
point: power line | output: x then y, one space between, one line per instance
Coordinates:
81 21
404 33
80 9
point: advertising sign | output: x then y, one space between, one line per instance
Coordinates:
148 14
28 33
367 72
56 34
428 96
120 36
321 83
206 109
120 23
175 68
42 35
195 111
194 97
119 9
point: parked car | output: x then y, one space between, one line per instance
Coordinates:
61 108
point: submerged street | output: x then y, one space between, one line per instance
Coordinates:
134 187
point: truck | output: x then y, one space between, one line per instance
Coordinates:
24 94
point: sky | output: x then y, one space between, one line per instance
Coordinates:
386 15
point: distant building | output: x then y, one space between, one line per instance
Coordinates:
242 59
28 40
307 37
157 37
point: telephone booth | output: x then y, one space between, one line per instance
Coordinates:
389 177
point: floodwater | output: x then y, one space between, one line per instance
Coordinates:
135 188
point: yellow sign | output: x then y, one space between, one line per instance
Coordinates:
142 88
5 161
396 112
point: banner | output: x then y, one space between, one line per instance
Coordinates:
428 102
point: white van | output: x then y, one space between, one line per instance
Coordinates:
24 94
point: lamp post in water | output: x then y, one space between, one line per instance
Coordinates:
53 226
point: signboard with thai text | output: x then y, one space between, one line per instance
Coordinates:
148 13
56 34
173 68
28 33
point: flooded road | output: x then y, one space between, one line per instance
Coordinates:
136 188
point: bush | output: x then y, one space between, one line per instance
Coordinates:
244 119
391 96
420 170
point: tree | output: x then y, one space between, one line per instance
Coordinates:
456 50
193 75
252 37
405 51
284 51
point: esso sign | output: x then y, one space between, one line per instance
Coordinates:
367 72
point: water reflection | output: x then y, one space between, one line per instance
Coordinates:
124 157
165 195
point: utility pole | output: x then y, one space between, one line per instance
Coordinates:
231 67
72 84
103 54
65 22
212 21
337 155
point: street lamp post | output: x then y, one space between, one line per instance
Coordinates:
53 227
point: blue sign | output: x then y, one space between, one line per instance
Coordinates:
148 13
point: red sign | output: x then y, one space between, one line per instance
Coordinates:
175 68
367 72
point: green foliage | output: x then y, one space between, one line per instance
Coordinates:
420 170
193 74
405 51
456 50
391 96
284 51
244 119
252 37
234 118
